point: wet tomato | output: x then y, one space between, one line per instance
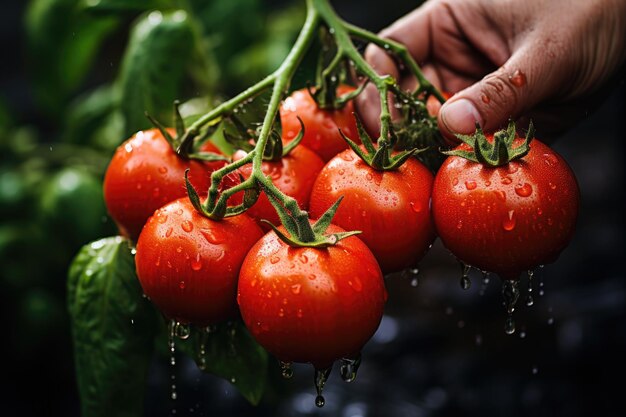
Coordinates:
188 264
391 208
310 304
294 175
321 127
144 174
510 218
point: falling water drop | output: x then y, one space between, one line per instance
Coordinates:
510 293
466 283
411 274
321 376
529 298
518 78
182 331
485 282
286 370
349 368
172 346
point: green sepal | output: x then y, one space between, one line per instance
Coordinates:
379 158
495 154
322 241
172 141
193 194
207 157
325 219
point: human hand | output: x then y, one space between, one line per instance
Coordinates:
545 59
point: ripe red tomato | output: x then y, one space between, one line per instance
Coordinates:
294 175
391 208
144 174
321 127
433 105
188 264
311 304
507 219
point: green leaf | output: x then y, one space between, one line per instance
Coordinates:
159 50
230 352
62 41
93 119
113 329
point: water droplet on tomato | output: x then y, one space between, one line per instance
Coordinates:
347 156
304 259
286 370
163 170
508 223
312 277
550 159
196 264
455 181
470 185
274 259
518 78
416 206
506 180
299 313
349 368
295 288
212 236
187 226
485 98
281 313
168 232
341 171
321 376
162 218
552 185
487 183
369 176
179 249
356 284
181 285
524 190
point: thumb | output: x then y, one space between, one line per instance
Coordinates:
512 90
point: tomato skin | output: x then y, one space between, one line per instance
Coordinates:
321 127
507 219
433 105
390 208
188 264
294 175
144 174
311 305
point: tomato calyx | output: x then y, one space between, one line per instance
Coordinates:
494 153
183 144
300 231
379 157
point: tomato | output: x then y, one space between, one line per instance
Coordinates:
510 218
294 175
188 264
311 304
391 208
321 127
144 174
433 105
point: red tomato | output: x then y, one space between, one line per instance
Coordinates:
144 174
433 105
188 264
294 175
510 218
310 304
321 127
391 208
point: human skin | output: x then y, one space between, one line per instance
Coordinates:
549 60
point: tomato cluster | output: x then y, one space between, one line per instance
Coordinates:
498 204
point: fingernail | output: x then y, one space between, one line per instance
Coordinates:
460 116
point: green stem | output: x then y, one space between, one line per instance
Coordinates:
401 51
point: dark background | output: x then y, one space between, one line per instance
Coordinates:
440 351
